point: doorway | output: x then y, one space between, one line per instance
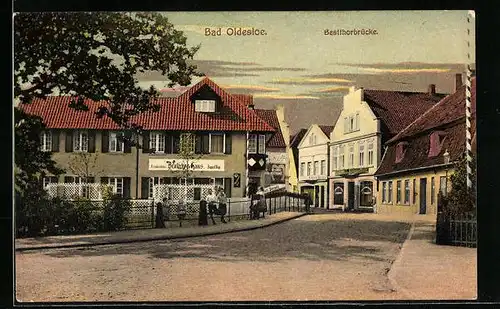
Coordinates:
317 196
350 195
423 196
322 201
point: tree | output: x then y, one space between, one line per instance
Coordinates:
84 165
188 158
460 198
96 55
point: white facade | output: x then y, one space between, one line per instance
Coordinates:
355 153
313 165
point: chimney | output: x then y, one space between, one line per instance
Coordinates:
458 81
432 89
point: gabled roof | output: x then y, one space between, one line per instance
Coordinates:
270 117
175 114
327 130
297 137
246 99
448 117
397 109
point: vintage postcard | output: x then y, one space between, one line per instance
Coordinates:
245 156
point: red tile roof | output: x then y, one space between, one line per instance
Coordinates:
327 130
175 114
447 116
269 116
246 99
398 109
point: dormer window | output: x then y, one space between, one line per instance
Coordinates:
435 143
400 151
205 106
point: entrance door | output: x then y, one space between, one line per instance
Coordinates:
423 196
322 196
317 196
350 195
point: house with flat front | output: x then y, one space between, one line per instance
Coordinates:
368 119
313 164
419 160
229 142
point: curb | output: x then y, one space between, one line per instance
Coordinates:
155 238
391 273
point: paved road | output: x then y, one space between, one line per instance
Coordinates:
316 257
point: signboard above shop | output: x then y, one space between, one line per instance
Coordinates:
179 165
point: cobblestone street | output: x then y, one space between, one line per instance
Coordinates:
316 257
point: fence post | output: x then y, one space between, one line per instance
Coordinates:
153 221
229 210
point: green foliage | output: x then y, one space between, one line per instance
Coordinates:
460 198
116 210
96 55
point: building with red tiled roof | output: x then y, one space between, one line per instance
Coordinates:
220 122
420 158
368 119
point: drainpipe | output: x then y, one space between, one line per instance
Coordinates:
137 167
327 175
246 168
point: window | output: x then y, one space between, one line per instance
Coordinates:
206 106
308 168
216 143
443 185
361 155
436 143
398 192
400 151
262 143
312 139
351 156
157 142
80 141
370 153
315 168
433 190
302 168
414 191
407 192
351 124
341 160
46 141
115 144
356 122
252 143
338 193
384 192
366 198
48 180
117 184
335 158
323 167
389 194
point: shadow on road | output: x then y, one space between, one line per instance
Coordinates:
310 237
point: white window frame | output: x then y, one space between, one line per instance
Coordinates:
114 182
384 192
302 168
315 167
356 122
262 144
156 138
113 138
406 198
252 148
46 181
223 142
46 141
335 157
154 181
351 156
80 141
309 168
361 155
204 106
322 167
370 153
342 157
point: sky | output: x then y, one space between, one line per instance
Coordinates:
297 65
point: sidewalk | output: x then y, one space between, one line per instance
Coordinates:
424 270
52 242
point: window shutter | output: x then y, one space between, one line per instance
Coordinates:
168 143
91 141
55 140
176 138
68 179
227 186
69 141
126 144
145 142
105 141
205 143
145 187
126 187
198 144
229 143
